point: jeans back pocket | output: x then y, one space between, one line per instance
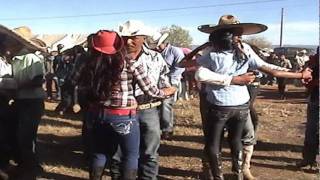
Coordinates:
122 128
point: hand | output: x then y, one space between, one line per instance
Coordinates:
169 91
306 75
243 79
76 108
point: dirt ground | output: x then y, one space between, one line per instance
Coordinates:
279 146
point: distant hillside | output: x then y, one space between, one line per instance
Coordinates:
298 45
274 46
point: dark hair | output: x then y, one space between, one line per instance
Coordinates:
221 39
78 49
60 46
105 71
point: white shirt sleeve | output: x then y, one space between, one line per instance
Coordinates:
204 75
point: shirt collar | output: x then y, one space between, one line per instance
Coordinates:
145 49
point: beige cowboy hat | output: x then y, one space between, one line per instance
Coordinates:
230 22
24 35
162 38
135 28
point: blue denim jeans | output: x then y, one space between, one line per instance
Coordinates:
109 131
150 142
166 117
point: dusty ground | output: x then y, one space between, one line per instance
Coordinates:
280 139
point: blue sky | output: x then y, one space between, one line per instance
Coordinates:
301 17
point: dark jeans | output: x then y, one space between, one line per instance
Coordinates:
253 91
7 132
87 135
149 145
249 129
29 112
217 119
67 98
111 131
281 86
49 79
311 141
204 113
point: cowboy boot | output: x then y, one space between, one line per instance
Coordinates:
237 164
115 170
247 154
129 174
216 167
96 173
207 174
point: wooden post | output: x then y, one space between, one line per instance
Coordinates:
281 27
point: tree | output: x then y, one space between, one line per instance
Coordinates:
177 36
260 42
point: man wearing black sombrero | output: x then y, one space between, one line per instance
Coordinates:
229 104
20 46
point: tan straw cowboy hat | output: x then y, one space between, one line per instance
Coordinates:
230 22
24 35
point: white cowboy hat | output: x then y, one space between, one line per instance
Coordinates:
303 51
24 35
135 28
162 38
230 22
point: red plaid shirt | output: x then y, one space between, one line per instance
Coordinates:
122 94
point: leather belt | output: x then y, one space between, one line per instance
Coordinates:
149 105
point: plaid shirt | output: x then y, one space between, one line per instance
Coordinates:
156 68
122 94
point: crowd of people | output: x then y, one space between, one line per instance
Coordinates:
297 63
125 88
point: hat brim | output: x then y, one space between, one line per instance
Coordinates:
26 42
107 50
162 39
248 28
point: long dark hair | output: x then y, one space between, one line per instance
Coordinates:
104 72
221 40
